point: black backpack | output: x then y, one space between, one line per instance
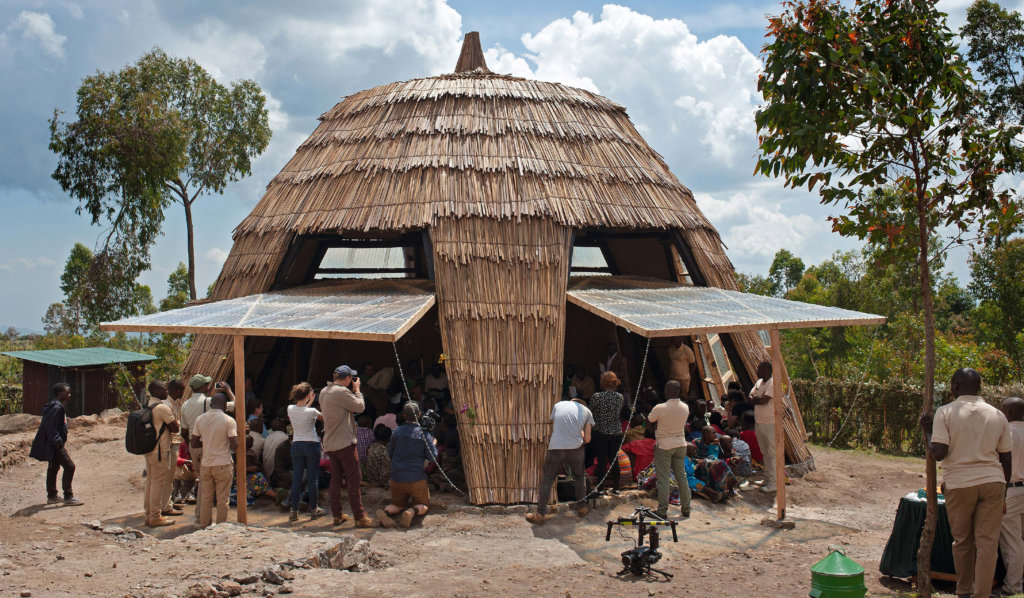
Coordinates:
141 436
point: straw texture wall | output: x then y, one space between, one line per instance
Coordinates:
501 301
407 154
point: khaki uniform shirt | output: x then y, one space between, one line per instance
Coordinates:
764 414
162 416
214 428
975 433
671 418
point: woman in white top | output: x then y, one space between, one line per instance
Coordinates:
305 448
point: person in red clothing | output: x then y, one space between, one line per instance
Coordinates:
748 436
641 452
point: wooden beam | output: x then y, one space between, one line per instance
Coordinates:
778 402
240 475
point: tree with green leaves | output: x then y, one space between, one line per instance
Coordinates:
785 272
997 284
95 290
995 41
857 98
157 132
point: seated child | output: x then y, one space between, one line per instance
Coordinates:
697 487
635 430
625 469
256 483
364 436
641 452
184 477
737 455
378 463
710 467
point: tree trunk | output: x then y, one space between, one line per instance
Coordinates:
924 553
191 250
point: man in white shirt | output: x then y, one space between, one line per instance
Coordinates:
278 434
1011 538
670 448
217 434
764 422
572 422
972 440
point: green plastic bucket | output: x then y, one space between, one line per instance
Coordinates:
837 576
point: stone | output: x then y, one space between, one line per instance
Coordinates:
494 510
270 576
229 587
204 590
88 573
245 578
285 590
777 524
286 575
26 593
113 530
517 510
94 524
470 510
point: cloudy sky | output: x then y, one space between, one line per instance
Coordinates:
685 70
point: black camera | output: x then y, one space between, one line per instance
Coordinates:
638 560
429 420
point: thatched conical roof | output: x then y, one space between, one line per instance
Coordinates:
473 143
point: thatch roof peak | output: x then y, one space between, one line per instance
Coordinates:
471 59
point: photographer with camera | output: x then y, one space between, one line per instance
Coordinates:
340 401
410 447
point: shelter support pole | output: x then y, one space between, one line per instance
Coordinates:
779 404
239 353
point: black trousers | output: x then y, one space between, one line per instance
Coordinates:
60 459
606 449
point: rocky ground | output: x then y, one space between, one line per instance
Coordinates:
850 501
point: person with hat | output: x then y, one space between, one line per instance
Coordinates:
607 434
197 404
340 404
410 447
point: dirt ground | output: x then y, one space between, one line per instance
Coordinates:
850 501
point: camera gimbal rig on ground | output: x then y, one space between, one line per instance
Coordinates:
638 560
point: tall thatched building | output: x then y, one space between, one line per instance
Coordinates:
488 185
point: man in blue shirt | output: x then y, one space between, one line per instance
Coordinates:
572 422
410 449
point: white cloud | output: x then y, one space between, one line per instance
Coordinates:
216 255
39 27
752 225
680 91
26 263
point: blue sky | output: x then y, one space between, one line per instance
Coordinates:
685 70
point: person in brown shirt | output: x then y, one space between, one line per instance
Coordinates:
217 434
339 406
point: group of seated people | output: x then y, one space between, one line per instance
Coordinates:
722 452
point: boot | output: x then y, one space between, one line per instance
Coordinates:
159 521
407 516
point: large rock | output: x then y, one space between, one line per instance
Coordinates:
18 422
298 549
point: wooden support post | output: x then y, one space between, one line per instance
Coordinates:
779 403
239 353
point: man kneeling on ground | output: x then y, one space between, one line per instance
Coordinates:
410 447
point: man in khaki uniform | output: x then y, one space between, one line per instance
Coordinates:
1011 537
217 434
157 473
174 397
972 439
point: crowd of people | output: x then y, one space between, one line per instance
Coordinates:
669 440
335 437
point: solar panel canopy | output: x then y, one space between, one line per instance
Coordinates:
655 309
375 310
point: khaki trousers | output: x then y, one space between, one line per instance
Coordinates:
171 463
975 518
766 441
1011 543
216 479
197 463
157 477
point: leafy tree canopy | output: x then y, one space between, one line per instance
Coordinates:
156 132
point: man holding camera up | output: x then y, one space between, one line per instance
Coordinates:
409 449
340 405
